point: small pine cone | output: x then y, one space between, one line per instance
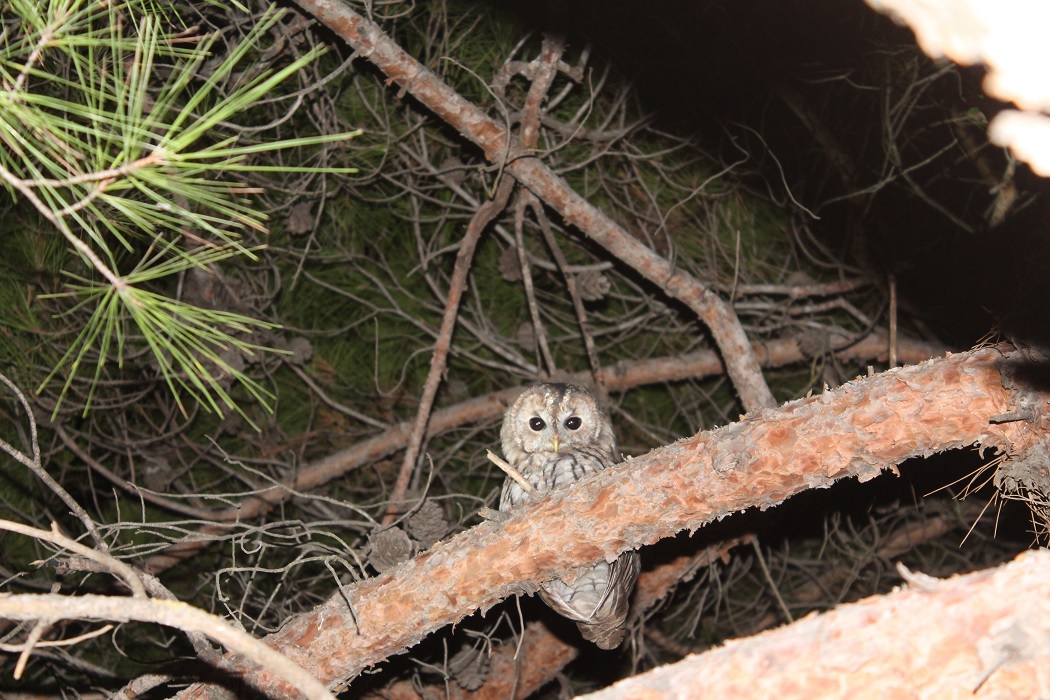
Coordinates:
592 285
388 548
428 525
510 265
233 362
299 349
470 668
302 351
454 170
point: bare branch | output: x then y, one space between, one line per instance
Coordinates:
110 563
506 150
35 465
858 430
295 681
618 377
509 470
485 214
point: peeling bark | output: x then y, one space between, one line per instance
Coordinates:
982 635
857 430
543 655
618 377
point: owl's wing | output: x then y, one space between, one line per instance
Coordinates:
598 600
599 597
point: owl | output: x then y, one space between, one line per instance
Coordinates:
555 434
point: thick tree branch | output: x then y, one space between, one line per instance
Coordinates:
503 148
980 635
514 673
618 377
857 430
543 654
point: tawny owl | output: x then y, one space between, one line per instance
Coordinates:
555 434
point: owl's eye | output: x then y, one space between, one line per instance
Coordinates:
537 424
573 423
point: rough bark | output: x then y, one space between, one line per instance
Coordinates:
983 635
543 655
618 377
514 673
857 430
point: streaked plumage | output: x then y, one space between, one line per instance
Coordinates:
555 434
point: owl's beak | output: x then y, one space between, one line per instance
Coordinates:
554 443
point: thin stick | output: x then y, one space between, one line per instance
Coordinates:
175 614
893 321
542 71
37 467
530 296
132 488
769 579
104 559
67 642
570 285
438 362
511 471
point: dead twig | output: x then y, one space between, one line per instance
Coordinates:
618 377
34 465
295 679
509 470
506 150
484 216
577 303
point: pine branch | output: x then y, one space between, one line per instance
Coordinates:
122 156
978 635
855 431
618 377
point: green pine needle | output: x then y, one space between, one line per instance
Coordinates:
117 133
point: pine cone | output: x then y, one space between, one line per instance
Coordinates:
428 525
592 285
525 336
388 548
510 265
300 219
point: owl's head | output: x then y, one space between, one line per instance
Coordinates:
549 418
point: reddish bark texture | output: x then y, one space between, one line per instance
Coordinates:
981 635
618 377
542 656
856 430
